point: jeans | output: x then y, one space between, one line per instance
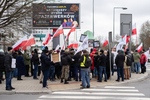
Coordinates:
137 67
77 70
35 70
85 77
95 73
15 74
9 76
45 78
132 67
101 70
120 72
52 72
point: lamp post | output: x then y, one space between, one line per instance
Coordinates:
123 8
93 18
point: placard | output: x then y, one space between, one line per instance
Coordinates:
55 57
96 44
82 37
13 64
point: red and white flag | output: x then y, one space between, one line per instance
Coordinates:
20 43
73 45
105 43
29 42
47 39
134 31
126 47
58 31
140 47
71 30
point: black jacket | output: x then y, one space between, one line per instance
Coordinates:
35 59
45 61
120 58
2 55
7 62
102 59
65 60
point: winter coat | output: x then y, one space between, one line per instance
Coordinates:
136 57
143 59
120 59
2 55
102 59
26 58
35 59
45 61
7 62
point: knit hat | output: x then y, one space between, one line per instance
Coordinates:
9 48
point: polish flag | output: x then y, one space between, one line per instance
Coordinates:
71 30
126 47
47 39
20 43
105 43
125 39
29 42
58 31
73 45
134 31
140 47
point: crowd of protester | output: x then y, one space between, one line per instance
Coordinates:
72 66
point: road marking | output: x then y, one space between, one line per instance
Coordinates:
104 93
121 87
90 97
115 90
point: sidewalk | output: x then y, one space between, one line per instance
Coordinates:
30 86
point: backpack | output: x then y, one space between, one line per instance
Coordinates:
129 60
88 62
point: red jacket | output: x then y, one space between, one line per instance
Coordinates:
92 58
143 59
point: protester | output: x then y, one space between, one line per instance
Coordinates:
85 77
77 69
65 62
102 66
36 62
45 64
2 68
143 60
20 65
26 62
136 57
8 69
119 61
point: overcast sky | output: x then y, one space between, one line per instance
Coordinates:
104 14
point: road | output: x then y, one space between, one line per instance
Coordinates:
128 91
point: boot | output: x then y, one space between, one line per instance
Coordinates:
61 80
66 82
19 78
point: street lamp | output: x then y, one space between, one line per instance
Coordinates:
93 18
123 8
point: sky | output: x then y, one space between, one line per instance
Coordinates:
103 15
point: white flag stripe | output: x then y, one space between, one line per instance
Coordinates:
90 97
122 87
115 90
104 93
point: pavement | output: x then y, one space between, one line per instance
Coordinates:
30 86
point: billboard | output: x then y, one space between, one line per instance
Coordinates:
54 14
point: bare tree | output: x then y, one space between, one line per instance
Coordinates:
12 10
145 34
